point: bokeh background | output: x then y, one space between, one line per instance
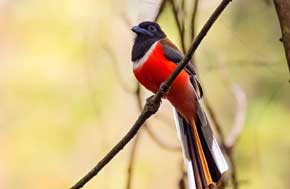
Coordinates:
62 106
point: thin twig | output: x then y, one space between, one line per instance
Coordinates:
153 103
193 18
161 8
180 28
182 22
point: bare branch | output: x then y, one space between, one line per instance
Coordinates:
153 103
283 12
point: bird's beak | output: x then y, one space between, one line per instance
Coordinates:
138 30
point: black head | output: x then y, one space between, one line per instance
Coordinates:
147 34
148 30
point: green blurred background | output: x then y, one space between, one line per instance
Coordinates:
62 107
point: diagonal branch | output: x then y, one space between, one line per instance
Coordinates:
153 103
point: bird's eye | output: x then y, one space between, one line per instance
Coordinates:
152 28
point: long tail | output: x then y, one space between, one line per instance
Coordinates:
203 158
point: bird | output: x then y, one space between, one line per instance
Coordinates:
154 58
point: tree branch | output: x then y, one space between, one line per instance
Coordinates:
283 12
153 103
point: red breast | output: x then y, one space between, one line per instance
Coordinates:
154 68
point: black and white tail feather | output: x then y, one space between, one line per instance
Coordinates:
216 162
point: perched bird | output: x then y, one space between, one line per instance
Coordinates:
154 58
